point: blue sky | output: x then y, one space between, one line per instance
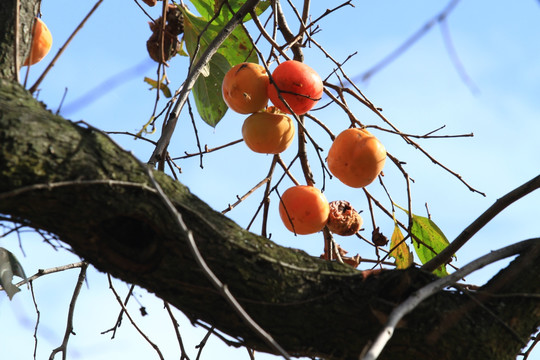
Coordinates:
419 92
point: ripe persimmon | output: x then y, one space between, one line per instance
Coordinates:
303 209
244 88
299 85
356 157
41 43
268 132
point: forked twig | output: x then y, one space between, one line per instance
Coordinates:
124 309
481 221
69 326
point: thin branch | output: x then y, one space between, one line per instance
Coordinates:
120 315
53 61
481 221
203 342
38 317
69 327
51 186
420 295
52 270
207 150
176 325
245 196
119 300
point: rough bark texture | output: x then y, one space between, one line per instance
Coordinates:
75 182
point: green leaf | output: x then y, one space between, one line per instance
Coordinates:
431 241
154 85
9 266
237 48
207 92
400 250
207 8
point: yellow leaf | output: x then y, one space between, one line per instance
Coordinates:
399 250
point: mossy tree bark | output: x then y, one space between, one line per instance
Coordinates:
73 181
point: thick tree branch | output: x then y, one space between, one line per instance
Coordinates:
101 202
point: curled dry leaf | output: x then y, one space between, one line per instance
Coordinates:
343 219
174 26
378 238
353 261
150 2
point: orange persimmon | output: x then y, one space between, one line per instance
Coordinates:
303 209
356 157
41 43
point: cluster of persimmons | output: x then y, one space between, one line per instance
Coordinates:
356 157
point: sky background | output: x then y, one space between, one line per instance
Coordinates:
103 70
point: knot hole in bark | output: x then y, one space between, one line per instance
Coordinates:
130 242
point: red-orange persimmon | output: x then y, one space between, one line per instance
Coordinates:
299 85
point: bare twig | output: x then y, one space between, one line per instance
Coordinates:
202 344
38 316
207 150
51 64
249 192
52 270
481 221
176 325
420 295
69 327
119 300
120 315
51 186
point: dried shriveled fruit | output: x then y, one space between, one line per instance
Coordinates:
174 26
378 238
343 218
41 43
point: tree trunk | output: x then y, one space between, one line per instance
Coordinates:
73 181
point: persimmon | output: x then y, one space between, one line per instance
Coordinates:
356 157
244 88
299 85
268 132
41 43
303 209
